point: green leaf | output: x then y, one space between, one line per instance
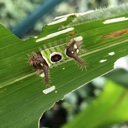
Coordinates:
21 98
109 108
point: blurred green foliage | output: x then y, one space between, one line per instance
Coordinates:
110 107
14 11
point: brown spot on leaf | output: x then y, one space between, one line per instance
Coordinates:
117 33
72 33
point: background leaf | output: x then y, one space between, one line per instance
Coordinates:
109 108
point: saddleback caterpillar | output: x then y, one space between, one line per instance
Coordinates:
47 58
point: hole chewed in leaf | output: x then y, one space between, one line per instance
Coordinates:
111 53
48 90
109 21
102 61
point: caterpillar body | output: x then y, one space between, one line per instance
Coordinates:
47 58
54 55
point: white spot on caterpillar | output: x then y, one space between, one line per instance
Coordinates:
75 46
115 20
79 38
48 90
58 21
111 53
55 34
41 64
77 50
102 61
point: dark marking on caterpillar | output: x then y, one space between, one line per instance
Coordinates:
39 63
72 51
43 60
117 33
55 57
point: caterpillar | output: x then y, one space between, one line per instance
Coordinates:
44 59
